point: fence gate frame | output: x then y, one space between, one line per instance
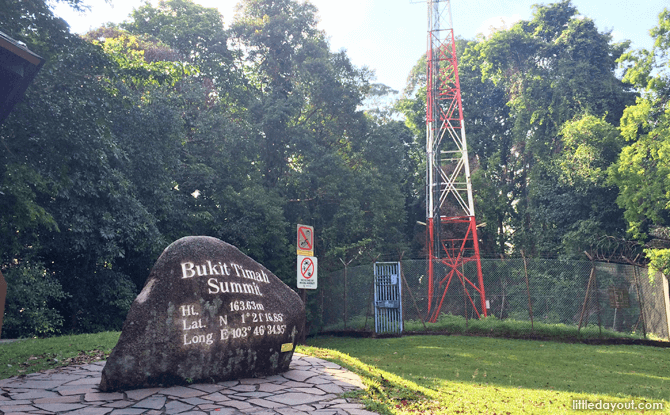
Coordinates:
388 297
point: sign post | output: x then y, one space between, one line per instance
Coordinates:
306 264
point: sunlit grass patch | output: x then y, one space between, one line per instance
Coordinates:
458 374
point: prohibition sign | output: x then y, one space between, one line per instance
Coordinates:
307 268
307 272
305 240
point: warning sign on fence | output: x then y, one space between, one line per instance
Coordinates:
307 275
618 297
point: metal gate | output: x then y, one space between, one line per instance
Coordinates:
388 297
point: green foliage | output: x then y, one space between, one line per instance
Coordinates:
171 125
32 294
659 260
129 53
543 101
21 215
590 146
99 301
642 170
196 33
641 176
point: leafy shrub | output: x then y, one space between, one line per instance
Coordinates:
100 301
32 293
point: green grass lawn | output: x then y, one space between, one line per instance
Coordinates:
436 374
460 374
32 355
491 326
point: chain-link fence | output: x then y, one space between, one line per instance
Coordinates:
614 296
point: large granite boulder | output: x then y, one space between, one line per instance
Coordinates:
207 313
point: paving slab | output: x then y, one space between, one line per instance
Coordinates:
139 394
311 387
59 407
216 397
195 401
102 396
182 392
127 411
59 399
17 408
91 410
176 407
152 402
299 375
118 404
265 403
295 398
13 402
210 388
34 394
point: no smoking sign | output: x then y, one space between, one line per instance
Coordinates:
307 272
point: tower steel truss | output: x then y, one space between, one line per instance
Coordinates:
451 229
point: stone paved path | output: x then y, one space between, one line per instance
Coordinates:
311 386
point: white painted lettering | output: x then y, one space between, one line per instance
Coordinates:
201 271
214 289
188 310
212 270
199 338
235 287
222 287
187 270
237 269
248 288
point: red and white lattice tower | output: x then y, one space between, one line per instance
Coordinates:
451 229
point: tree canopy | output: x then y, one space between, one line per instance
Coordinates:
642 171
532 95
173 124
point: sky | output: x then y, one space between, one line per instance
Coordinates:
390 36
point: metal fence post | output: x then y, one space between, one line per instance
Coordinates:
346 265
530 305
371 295
586 298
639 300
